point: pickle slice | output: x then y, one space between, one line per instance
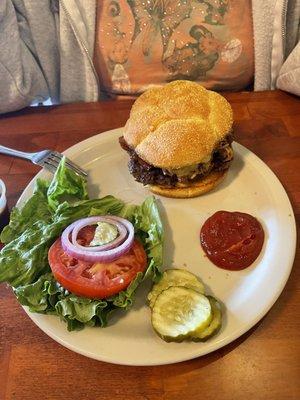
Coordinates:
215 324
175 277
178 312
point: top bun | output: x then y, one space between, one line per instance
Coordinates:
178 124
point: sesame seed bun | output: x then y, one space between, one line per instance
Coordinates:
177 125
194 189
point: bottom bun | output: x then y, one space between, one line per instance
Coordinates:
194 189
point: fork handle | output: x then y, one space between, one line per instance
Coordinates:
15 153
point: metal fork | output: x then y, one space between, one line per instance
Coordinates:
45 158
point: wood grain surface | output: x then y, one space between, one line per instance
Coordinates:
262 364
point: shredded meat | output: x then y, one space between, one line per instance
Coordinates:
147 174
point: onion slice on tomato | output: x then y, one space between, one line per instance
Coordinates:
94 220
75 250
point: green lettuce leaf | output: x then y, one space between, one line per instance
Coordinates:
148 224
35 209
66 186
32 230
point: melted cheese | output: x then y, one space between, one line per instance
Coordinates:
190 170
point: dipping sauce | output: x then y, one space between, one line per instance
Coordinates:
4 214
232 240
4 218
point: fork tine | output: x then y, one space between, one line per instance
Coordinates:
50 166
69 163
76 167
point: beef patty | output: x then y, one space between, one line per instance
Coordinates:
147 174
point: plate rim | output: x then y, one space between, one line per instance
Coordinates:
84 145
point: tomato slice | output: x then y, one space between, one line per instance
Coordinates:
232 240
95 280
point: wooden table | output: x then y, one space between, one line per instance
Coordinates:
263 364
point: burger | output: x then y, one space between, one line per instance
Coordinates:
179 139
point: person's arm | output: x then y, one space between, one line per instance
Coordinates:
289 74
288 78
22 80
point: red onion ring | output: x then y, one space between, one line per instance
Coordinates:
101 255
93 220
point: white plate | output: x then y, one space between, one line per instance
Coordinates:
246 295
